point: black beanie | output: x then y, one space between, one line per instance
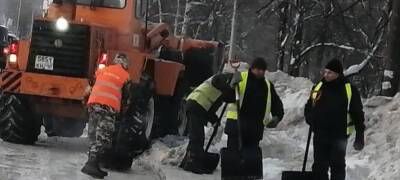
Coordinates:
335 65
259 63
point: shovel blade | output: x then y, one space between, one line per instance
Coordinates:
297 175
244 164
211 161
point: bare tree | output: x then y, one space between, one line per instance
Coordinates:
294 66
283 33
186 17
392 71
160 11
177 16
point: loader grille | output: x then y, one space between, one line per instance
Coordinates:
68 50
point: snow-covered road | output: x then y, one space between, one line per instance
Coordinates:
55 159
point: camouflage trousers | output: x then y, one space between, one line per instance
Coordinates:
101 127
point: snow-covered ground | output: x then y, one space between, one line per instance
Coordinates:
283 147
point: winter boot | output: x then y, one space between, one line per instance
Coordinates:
92 168
193 162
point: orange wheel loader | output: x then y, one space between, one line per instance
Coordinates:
45 77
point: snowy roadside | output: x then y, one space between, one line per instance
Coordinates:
283 147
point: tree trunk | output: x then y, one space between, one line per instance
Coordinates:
392 60
233 32
177 16
294 68
160 11
282 33
186 18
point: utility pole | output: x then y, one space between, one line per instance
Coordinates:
18 15
233 32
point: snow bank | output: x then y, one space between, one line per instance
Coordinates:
283 147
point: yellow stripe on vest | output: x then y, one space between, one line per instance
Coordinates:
232 108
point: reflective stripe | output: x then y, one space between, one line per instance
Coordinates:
107 89
350 124
206 94
314 93
108 84
107 95
232 108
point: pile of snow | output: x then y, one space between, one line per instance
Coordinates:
283 147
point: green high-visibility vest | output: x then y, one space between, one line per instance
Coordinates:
205 94
232 108
350 124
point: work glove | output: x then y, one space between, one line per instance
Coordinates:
274 122
236 79
359 141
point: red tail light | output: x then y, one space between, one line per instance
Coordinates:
6 51
14 48
102 60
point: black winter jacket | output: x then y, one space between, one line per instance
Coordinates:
328 117
253 109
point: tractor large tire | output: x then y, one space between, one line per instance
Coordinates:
183 126
170 115
17 122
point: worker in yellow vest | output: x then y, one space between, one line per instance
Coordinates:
201 108
333 111
260 106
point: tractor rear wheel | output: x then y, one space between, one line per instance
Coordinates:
17 122
183 126
133 130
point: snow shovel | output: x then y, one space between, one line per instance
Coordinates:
244 162
212 159
300 175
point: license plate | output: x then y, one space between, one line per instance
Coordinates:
44 62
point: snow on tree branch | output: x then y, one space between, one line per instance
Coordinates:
355 69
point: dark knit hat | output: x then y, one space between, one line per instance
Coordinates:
259 63
335 65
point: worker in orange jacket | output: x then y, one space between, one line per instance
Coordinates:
104 105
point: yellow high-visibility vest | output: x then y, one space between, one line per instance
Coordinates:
232 108
205 94
350 124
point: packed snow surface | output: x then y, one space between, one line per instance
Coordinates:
283 147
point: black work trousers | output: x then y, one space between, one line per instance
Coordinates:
197 118
329 153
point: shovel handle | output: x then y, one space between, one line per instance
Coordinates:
307 148
215 129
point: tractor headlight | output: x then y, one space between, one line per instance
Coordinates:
62 24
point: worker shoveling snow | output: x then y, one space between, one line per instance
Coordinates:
283 147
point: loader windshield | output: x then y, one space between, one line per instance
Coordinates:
103 3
